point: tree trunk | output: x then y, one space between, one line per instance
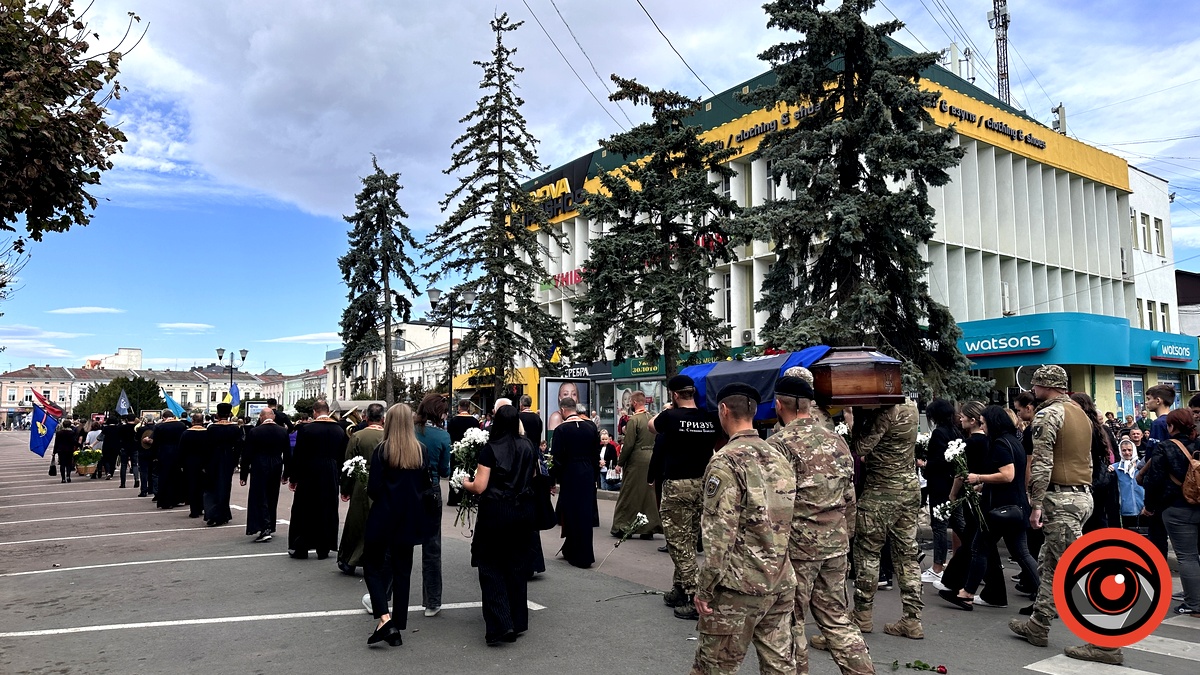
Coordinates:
389 390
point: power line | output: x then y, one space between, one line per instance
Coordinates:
664 36
589 60
564 58
1127 100
1156 140
1035 77
889 9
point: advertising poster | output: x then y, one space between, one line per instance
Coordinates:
554 389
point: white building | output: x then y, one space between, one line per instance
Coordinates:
415 354
1153 252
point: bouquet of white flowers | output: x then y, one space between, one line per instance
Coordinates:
922 445
356 467
955 450
466 456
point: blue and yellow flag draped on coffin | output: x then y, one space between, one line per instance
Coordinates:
41 431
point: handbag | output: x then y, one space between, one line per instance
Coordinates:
544 515
1010 515
1190 485
53 468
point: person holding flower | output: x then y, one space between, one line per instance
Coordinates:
362 444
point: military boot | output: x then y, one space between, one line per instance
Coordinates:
675 597
1090 652
819 641
907 627
862 617
688 609
1033 632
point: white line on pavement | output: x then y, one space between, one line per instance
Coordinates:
16 483
1180 649
241 619
1183 622
1065 665
90 515
117 534
141 562
55 492
77 501
235 507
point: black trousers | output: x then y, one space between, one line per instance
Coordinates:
126 461
505 606
985 556
954 576
393 567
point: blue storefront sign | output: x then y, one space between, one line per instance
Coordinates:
1171 350
1017 342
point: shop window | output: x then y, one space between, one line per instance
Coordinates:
1146 232
1171 379
1158 237
1129 390
1151 317
1164 318
1141 315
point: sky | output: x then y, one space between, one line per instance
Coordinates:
250 125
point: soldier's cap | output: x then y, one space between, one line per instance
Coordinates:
738 389
224 410
681 382
796 387
1051 376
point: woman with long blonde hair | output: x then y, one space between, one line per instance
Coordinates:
397 478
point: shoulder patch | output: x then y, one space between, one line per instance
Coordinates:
1037 431
1040 413
711 487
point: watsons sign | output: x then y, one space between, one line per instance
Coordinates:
1024 342
1163 350
991 124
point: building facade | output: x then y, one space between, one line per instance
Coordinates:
1035 231
416 346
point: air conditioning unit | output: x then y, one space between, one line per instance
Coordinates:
1193 382
748 336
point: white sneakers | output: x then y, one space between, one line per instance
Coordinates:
366 600
931 577
432 611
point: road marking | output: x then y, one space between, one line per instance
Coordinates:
1180 649
43 479
256 617
235 507
56 492
117 534
1183 622
90 515
77 501
140 562
1065 665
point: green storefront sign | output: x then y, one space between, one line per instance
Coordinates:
650 369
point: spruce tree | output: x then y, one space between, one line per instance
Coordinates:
489 243
378 253
647 274
849 267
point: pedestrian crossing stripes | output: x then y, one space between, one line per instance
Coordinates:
1180 649
1183 622
56 570
1065 665
117 534
74 501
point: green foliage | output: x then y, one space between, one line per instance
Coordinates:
363 395
647 275
849 268
490 242
379 245
54 139
88 457
305 405
143 395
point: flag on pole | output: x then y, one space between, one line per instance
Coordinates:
41 432
174 406
48 407
234 398
123 404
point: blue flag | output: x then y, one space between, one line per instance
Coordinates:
123 404
41 432
174 406
234 398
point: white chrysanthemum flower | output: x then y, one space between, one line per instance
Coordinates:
842 429
954 449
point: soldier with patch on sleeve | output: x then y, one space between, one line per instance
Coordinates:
746 585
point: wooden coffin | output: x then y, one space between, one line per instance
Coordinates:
857 376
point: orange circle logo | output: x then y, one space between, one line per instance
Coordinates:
1112 587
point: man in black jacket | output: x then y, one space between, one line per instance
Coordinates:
129 450
531 421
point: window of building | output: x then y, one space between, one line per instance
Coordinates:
12 395
1129 390
171 393
1141 315
62 395
1172 379
1133 226
1146 232
183 397
212 397
1158 237
46 394
770 195
1151 317
726 185
729 299
1164 317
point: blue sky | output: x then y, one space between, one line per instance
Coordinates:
249 125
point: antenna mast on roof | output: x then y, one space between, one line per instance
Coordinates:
998 19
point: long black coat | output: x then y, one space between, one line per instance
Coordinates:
316 460
397 517
262 461
193 453
576 452
166 437
224 443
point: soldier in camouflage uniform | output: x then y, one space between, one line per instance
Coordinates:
886 441
822 524
1060 499
746 588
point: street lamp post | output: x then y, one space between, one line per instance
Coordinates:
221 358
468 299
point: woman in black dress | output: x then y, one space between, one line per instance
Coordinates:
940 477
576 452
499 549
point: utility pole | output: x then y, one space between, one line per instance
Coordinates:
998 19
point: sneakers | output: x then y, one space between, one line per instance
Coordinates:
864 620
929 576
907 627
263 536
1034 634
885 585
1184 610
431 611
1090 652
675 597
984 603
940 586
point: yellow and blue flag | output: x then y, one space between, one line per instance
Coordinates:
41 431
234 398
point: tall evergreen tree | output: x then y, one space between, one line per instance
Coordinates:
489 243
849 268
647 274
378 253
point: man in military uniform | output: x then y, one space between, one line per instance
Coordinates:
822 525
1060 499
746 585
886 440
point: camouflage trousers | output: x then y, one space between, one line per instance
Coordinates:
1063 515
682 502
739 620
821 588
882 513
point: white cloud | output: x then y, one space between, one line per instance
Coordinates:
309 339
186 328
86 310
23 341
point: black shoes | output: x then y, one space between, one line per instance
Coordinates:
142 494
688 611
389 633
952 598
506 636
348 570
263 537
322 555
662 549
298 555
1026 611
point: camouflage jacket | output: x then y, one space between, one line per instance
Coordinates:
887 445
1062 447
749 494
823 520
